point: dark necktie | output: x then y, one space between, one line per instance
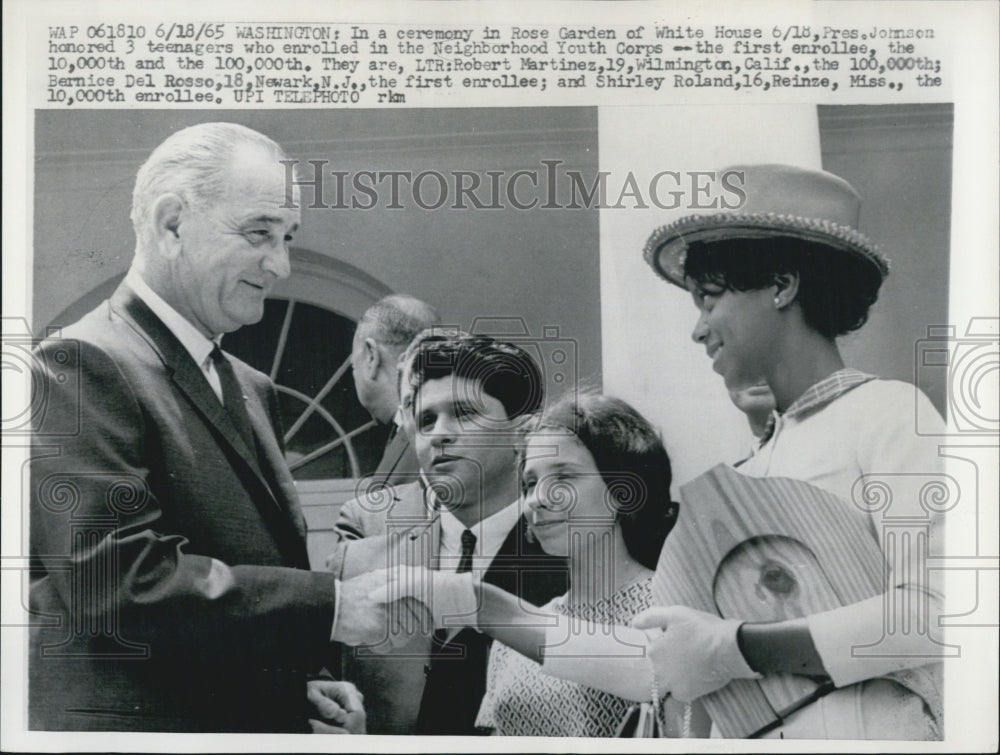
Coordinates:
232 396
468 547
464 565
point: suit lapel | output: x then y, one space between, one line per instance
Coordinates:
410 504
191 380
188 377
419 544
500 572
523 568
390 459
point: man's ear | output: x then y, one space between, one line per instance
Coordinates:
786 289
168 210
372 358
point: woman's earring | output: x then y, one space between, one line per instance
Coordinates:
777 302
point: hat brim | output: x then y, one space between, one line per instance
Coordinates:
666 249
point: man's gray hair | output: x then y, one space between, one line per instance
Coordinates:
191 163
395 320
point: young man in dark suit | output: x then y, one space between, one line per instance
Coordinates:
172 586
467 397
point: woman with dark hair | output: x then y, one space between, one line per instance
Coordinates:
596 489
775 284
596 485
630 461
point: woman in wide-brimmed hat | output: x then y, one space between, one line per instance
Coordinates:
775 283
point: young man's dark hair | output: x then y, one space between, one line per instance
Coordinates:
500 369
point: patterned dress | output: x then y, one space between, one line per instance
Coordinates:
520 700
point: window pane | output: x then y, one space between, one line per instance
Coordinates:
313 434
255 344
317 345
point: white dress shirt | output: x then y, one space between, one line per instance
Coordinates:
490 534
196 344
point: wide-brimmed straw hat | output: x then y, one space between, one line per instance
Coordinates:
781 201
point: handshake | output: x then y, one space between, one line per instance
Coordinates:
688 653
384 608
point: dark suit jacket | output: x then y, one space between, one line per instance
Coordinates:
386 527
456 675
381 493
172 590
401 695
399 461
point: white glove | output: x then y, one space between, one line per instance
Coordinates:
449 596
695 653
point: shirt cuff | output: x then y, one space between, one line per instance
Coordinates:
336 608
335 560
854 645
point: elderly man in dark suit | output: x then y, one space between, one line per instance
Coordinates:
172 586
382 335
466 397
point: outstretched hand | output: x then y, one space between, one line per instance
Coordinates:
448 598
366 617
